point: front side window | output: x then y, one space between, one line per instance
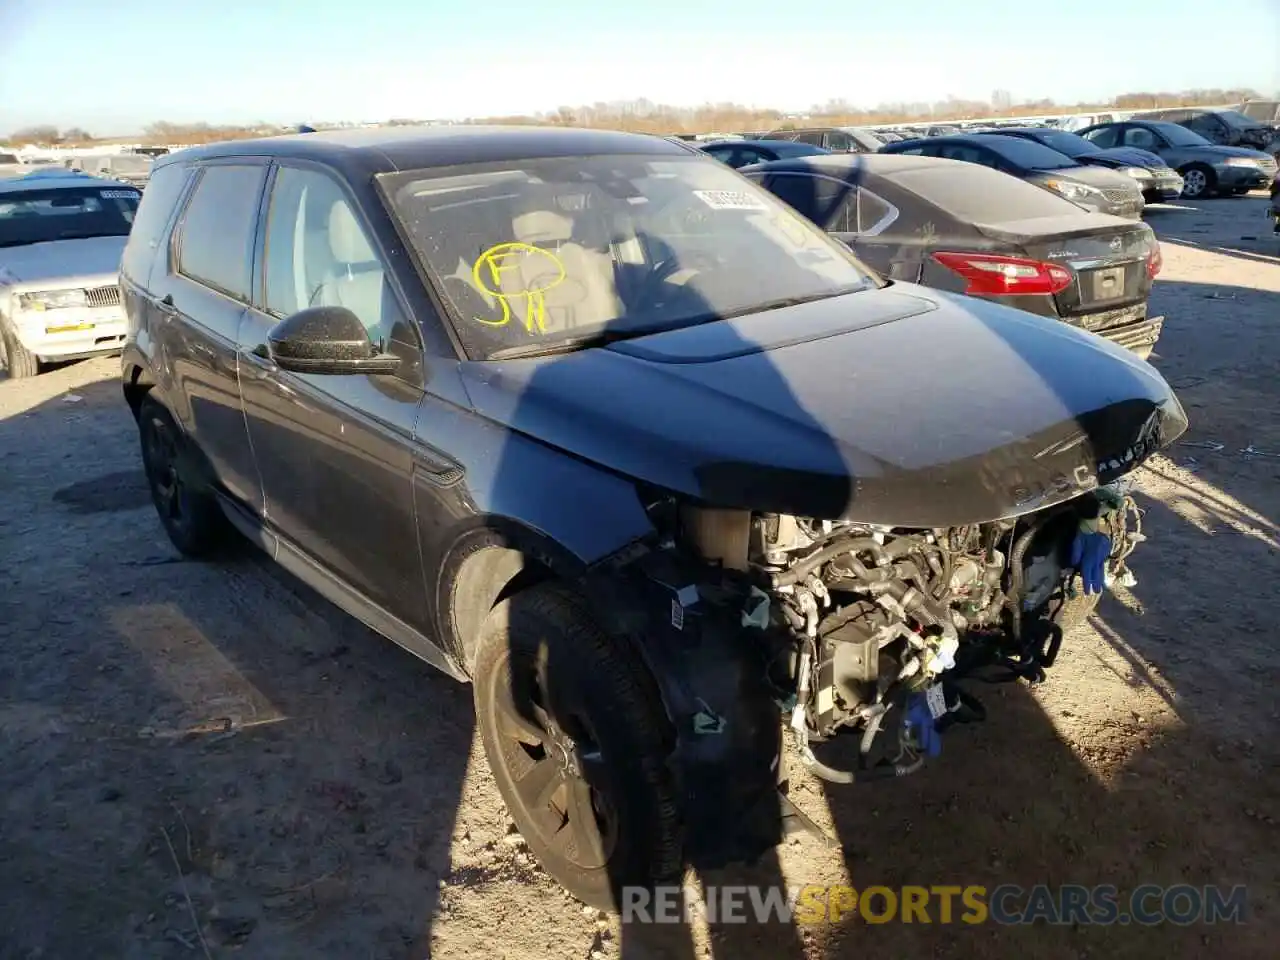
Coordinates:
1105 137
1177 135
216 235
318 254
1140 137
42 215
533 253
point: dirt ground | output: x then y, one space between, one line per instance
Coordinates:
210 760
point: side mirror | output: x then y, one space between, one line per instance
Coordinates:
326 340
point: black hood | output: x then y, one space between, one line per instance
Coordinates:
903 406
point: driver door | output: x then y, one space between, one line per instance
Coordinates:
334 450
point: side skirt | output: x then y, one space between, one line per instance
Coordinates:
336 590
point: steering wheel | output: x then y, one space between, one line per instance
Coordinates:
699 262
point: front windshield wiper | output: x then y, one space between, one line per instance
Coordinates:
83 235
604 337
568 345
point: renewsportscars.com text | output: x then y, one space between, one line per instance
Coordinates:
1066 904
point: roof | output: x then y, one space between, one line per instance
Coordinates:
853 165
385 149
44 182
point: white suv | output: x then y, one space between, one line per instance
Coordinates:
61 238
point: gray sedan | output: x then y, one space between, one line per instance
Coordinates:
1206 168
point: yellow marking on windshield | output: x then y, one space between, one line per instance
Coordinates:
539 271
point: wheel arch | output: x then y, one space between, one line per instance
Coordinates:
490 560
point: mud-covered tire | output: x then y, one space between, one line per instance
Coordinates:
18 360
576 737
188 511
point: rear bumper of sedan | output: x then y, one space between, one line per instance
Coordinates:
1128 327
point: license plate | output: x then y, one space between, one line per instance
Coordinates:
1108 284
68 327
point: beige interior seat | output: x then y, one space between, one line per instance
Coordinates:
355 276
587 296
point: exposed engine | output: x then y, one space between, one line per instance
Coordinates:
867 628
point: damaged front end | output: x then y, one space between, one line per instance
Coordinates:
758 624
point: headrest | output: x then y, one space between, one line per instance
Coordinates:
346 237
542 226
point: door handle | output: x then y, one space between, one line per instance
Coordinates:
165 306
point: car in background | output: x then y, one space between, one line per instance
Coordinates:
832 139
61 239
1266 112
889 136
1078 122
1229 128
131 168
961 227
1093 188
1156 179
740 153
11 165
1206 168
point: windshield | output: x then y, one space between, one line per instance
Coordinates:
1030 155
1066 143
36 216
976 194
1179 136
1237 121
539 255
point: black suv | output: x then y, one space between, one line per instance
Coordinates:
590 420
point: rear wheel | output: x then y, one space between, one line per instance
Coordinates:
188 510
19 361
1198 181
576 737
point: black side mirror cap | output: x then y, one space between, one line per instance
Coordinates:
327 340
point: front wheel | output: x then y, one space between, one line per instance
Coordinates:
577 739
1197 182
20 361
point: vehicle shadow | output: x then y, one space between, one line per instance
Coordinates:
199 756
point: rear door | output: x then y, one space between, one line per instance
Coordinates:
200 293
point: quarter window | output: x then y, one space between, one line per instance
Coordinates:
164 189
215 246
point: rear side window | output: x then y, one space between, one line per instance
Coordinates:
975 194
163 192
215 246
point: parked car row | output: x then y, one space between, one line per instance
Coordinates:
972 230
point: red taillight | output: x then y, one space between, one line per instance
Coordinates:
1155 260
992 275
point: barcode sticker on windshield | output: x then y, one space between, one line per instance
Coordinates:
120 195
730 200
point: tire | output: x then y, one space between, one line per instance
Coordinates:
20 361
576 737
188 511
1198 181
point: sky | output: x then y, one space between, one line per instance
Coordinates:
113 66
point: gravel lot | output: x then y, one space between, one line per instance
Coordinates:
209 759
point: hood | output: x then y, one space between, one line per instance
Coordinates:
902 406
1131 157
61 259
